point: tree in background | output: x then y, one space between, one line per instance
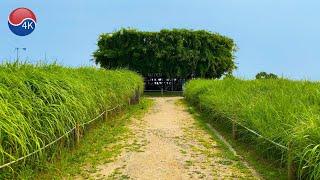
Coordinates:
229 76
177 53
264 75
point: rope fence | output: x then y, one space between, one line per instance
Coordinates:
257 134
290 164
248 129
76 127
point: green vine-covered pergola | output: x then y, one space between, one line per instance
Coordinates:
177 53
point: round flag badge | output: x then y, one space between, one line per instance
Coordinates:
22 21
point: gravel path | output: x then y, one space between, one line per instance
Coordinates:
167 143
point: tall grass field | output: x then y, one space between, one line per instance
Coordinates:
39 103
284 111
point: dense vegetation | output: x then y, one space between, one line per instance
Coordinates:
284 111
173 53
40 103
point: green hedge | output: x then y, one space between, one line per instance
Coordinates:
174 53
284 111
40 103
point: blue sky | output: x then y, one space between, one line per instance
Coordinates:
279 36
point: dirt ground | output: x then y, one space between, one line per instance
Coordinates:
167 143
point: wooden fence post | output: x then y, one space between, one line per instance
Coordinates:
137 96
106 115
234 131
291 165
77 130
120 109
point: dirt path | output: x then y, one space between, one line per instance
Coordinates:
167 143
